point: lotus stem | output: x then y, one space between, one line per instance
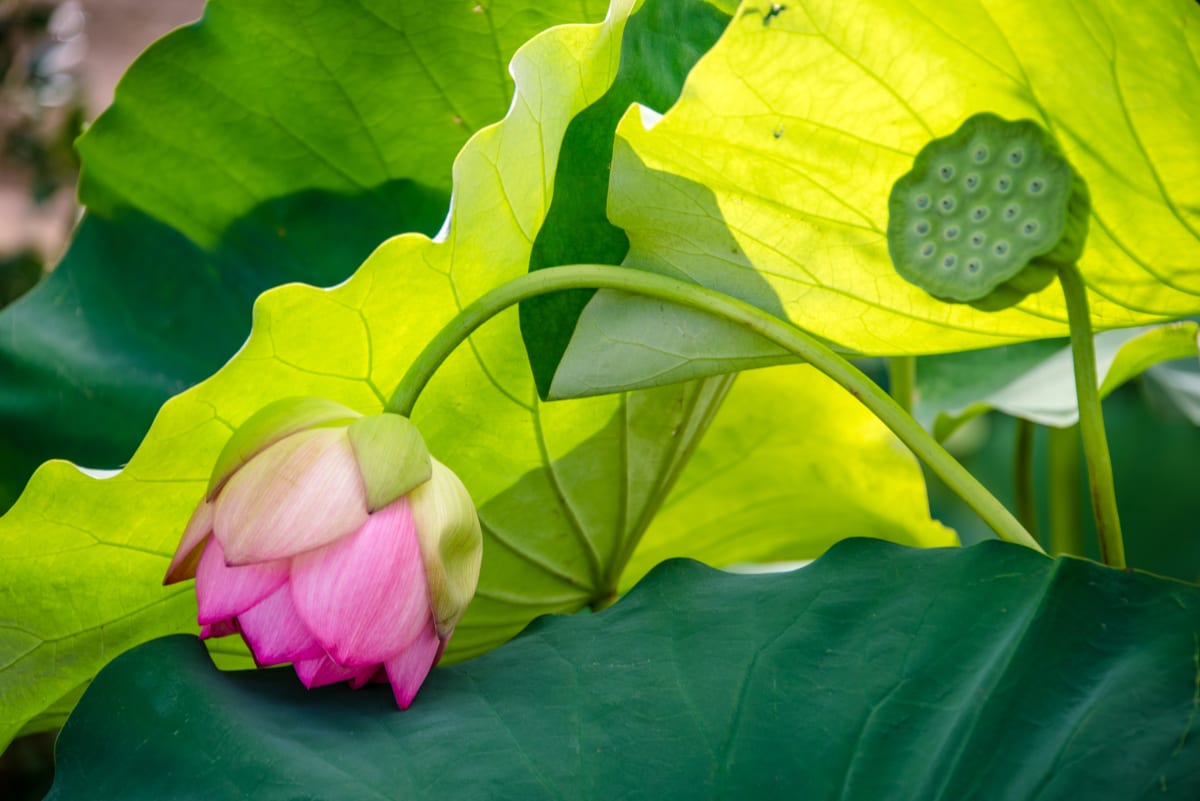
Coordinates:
795 340
1091 420
1024 493
1063 471
902 380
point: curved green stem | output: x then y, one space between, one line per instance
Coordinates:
1024 493
1091 420
902 380
784 334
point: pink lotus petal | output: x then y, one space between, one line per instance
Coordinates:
323 670
275 632
303 492
407 670
223 592
364 597
191 544
221 628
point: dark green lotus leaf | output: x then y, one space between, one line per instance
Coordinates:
878 672
663 40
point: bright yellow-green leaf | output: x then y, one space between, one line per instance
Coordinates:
790 464
81 559
769 179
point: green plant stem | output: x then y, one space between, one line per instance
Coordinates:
1066 512
784 334
1024 494
1091 420
902 380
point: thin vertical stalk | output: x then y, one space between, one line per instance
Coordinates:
1024 492
1091 420
1063 477
902 380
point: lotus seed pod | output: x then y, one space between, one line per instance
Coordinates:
988 214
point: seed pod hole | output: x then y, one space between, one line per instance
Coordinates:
951 233
947 203
946 171
1029 228
922 227
1000 249
921 201
927 249
974 265
977 239
1003 183
1012 211
1016 156
980 213
950 261
980 154
971 181
1036 186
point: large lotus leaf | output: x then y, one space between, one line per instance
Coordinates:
269 142
878 672
81 559
770 178
561 488
790 463
1036 380
262 100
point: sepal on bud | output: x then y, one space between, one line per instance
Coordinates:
451 544
391 456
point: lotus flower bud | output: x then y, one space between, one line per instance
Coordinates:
335 542
987 214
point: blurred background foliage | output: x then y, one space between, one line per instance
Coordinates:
59 63
41 113
1154 450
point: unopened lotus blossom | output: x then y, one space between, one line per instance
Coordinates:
335 542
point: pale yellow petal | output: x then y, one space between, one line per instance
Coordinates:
300 493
